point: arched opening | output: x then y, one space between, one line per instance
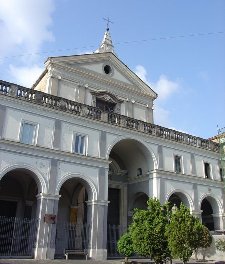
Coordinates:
131 162
72 220
140 201
210 210
177 198
18 204
129 171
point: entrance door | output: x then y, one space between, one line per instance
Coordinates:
114 207
114 227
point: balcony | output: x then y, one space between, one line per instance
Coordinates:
75 108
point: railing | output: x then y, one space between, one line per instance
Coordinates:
92 112
114 232
71 237
17 236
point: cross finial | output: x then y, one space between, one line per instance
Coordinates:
108 21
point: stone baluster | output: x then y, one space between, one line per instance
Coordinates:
13 90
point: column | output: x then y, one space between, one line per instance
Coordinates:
197 214
218 221
156 182
97 220
47 208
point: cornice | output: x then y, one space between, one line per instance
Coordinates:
42 152
110 128
187 178
99 57
99 79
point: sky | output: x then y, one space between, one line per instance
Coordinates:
177 47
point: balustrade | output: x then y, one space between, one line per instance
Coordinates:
92 112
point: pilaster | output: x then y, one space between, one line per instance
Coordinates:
46 205
97 217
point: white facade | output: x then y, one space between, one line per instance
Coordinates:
93 150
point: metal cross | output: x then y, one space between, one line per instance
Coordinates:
108 21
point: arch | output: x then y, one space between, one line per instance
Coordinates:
148 150
210 212
216 203
89 185
140 200
182 195
39 179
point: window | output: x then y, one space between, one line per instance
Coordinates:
207 170
177 164
80 143
28 133
105 106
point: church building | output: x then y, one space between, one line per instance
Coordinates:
79 151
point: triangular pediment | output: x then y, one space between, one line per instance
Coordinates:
105 66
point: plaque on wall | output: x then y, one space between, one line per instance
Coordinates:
50 218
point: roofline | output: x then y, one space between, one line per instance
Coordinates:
39 78
110 54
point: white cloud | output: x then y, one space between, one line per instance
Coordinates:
141 73
165 88
161 116
24 27
25 76
24 24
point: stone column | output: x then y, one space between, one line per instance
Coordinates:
156 185
218 221
52 86
45 246
97 221
197 214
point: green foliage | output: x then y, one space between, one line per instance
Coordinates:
124 245
205 238
220 244
148 231
184 234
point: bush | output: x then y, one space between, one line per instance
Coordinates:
220 244
147 231
125 246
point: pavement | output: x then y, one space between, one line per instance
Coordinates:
57 261
80 261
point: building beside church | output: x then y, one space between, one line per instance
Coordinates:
80 150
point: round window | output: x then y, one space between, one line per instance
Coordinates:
107 69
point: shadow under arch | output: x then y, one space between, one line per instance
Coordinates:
147 150
218 208
89 185
20 186
140 200
34 172
210 210
74 215
132 164
179 196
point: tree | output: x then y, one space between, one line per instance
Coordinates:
206 240
148 231
202 238
184 233
125 246
220 244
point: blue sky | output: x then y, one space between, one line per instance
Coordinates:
177 47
